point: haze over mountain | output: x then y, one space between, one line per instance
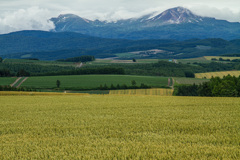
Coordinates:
175 23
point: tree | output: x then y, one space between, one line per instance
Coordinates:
58 83
22 73
1 59
134 60
134 83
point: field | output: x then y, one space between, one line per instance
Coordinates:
209 75
217 57
155 91
92 81
112 61
192 60
119 127
189 80
44 63
7 80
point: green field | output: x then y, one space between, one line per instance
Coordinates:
192 60
44 63
92 81
7 80
189 81
114 61
119 127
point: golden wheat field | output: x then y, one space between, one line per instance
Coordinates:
154 91
119 127
209 75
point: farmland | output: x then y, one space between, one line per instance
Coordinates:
189 80
154 91
7 80
119 127
37 62
92 81
217 57
209 75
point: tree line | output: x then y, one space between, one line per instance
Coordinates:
78 59
9 88
228 86
161 68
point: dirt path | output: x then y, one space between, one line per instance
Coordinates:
172 83
22 82
15 82
79 65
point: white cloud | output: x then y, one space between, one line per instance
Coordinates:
218 13
32 18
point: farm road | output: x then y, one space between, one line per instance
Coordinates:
15 82
22 82
18 80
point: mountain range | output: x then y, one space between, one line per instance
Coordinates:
175 33
176 23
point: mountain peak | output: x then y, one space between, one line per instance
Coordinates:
176 15
69 17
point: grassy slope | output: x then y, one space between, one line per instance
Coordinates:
119 127
7 80
93 81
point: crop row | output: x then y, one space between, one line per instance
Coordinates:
154 91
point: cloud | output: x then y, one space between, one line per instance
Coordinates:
33 18
223 13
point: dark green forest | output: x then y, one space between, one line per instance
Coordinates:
161 68
52 46
228 86
78 59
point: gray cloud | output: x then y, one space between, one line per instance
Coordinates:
32 18
21 15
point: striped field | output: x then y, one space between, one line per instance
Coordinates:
155 91
209 75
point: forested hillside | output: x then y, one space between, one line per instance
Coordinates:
53 46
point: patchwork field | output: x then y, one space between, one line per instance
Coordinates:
93 81
119 127
209 75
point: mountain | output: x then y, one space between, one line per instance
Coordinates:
175 16
176 23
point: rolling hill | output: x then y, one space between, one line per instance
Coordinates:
52 46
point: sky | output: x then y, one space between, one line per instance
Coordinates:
16 15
